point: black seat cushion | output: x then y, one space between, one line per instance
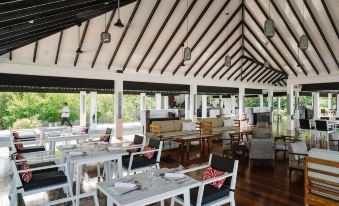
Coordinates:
31 149
43 164
211 193
45 179
138 162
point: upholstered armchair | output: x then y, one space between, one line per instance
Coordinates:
261 146
334 141
297 152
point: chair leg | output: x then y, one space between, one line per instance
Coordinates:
289 175
98 170
232 202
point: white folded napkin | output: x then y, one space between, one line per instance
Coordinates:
120 188
104 142
70 146
171 175
75 153
114 148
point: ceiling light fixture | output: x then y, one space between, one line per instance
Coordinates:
266 64
228 61
119 23
187 50
303 41
105 36
269 27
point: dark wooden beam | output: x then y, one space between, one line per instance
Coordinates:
243 71
263 58
209 3
328 13
263 77
261 69
213 40
83 35
58 48
101 43
221 45
265 71
271 41
158 34
292 34
270 76
252 70
233 63
237 69
141 34
274 78
309 37
321 33
188 11
124 34
267 51
222 56
35 50
10 56
203 34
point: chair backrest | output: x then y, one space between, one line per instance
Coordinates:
225 165
334 141
304 124
226 140
157 144
138 139
262 124
108 131
261 133
321 125
299 148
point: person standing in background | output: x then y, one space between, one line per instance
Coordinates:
65 112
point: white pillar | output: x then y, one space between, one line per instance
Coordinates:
270 102
290 106
221 104
82 108
279 104
329 101
296 102
165 102
157 101
261 100
233 104
93 117
316 105
204 106
241 101
187 109
193 102
118 95
142 101
337 107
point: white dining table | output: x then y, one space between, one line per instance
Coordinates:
67 137
152 190
92 153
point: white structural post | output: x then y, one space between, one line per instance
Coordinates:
279 104
165 102
157 101
316 105
193 102
261 100
118 95
142 114
221 104
329 101
187 108
337 107
233 104
142 101
203 106
82 108
270 102
93 112
290 106
241 101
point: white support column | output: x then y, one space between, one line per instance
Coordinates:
279 104
93 117
193 102
118 95
142 101
157 101
82 108
233 104
270 102
203 106
329 101
221 104
337 107
296 102
165 102
261 100
316 105
290 106
241 100
187 108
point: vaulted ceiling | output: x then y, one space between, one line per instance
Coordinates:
156 31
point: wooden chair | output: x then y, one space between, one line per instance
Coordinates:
237 122
206 194
297 152
206 128
281 144
321 178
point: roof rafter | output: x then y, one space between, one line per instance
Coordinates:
328 13
252 70
35 50
83 35
223 65
244 71
58 48
243 63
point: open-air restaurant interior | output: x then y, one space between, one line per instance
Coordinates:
169 102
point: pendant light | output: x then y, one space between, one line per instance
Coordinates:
187 50
303 42
269 27
105 36
183 63
119 23
266 64
228 62
79 51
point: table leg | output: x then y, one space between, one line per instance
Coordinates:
187 201
188 144
182 151
109 202
77 189
119 163
209 141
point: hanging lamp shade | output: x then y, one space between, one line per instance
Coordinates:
269 28
187 54
105 37
303 42
119 23
228 62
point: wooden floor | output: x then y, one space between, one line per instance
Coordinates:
259 185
